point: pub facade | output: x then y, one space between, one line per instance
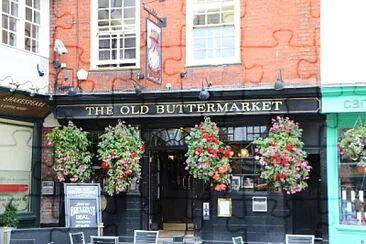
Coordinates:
164 69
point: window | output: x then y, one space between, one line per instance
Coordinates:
352 180
117 34
213 32
21 24
245 168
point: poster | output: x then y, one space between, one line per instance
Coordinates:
15 187
82 205
153 52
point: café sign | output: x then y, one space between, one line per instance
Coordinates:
245 107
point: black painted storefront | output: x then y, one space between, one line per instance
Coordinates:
303 213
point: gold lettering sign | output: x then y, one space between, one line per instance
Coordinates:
264 106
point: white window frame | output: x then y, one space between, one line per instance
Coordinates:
191 5
43 36
94 44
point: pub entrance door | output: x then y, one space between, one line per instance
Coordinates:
170 190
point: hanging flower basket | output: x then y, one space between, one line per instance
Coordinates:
71 151
283 161
353 144
208 157
120 150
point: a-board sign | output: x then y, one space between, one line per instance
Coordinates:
82 205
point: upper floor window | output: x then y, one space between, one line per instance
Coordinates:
115 34
213 32
21 23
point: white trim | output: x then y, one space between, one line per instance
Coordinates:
94 40
189 36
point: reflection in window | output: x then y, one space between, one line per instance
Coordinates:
352 180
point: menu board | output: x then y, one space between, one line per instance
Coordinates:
82 205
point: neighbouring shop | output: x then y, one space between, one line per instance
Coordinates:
21 119
168 198
345 109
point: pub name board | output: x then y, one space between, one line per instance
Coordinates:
259 106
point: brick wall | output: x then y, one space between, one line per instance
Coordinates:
50 205
274 35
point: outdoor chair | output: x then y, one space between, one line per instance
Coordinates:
104 239
145 236
77 238
299 239
178 238
22 241
237 240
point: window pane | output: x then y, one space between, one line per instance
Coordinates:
37 4
199 20
129 13
130 42
29 3
213 19
104 55
27 44
14 9
103 4
116 3
129 3
103 14
228 42
130 54
5 37
6 6
35 33
12 39
28 14
116 14
199 55
37 17
227 53
199 43
12 24
5 21
27 29
227 18
104 44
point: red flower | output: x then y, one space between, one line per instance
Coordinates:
133 155
220 187
227 153
104 165
142 148
272 144
198 150
289 146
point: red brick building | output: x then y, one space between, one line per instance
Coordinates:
235 50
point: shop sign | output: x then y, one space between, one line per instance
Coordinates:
17 104
82 205
244 107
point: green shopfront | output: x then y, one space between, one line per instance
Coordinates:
345 108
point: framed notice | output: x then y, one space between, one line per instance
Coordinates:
153 52
82 205
224 208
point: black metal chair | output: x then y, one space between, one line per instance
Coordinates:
22 241
299 239
145 236
104 239
77 238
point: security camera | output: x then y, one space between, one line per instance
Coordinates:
60 47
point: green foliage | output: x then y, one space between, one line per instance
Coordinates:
9 218
208 157
72 156
120 149
353 144
283 161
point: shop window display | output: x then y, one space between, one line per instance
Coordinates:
352 180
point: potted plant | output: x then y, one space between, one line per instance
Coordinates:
208 157
353 144
71 150
120 150
280 154
9 221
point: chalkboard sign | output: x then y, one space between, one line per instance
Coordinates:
82 205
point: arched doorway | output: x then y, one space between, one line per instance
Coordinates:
170 185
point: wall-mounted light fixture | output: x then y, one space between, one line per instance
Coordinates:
204 94
82 74
279 83
60 47
183 74
138 88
